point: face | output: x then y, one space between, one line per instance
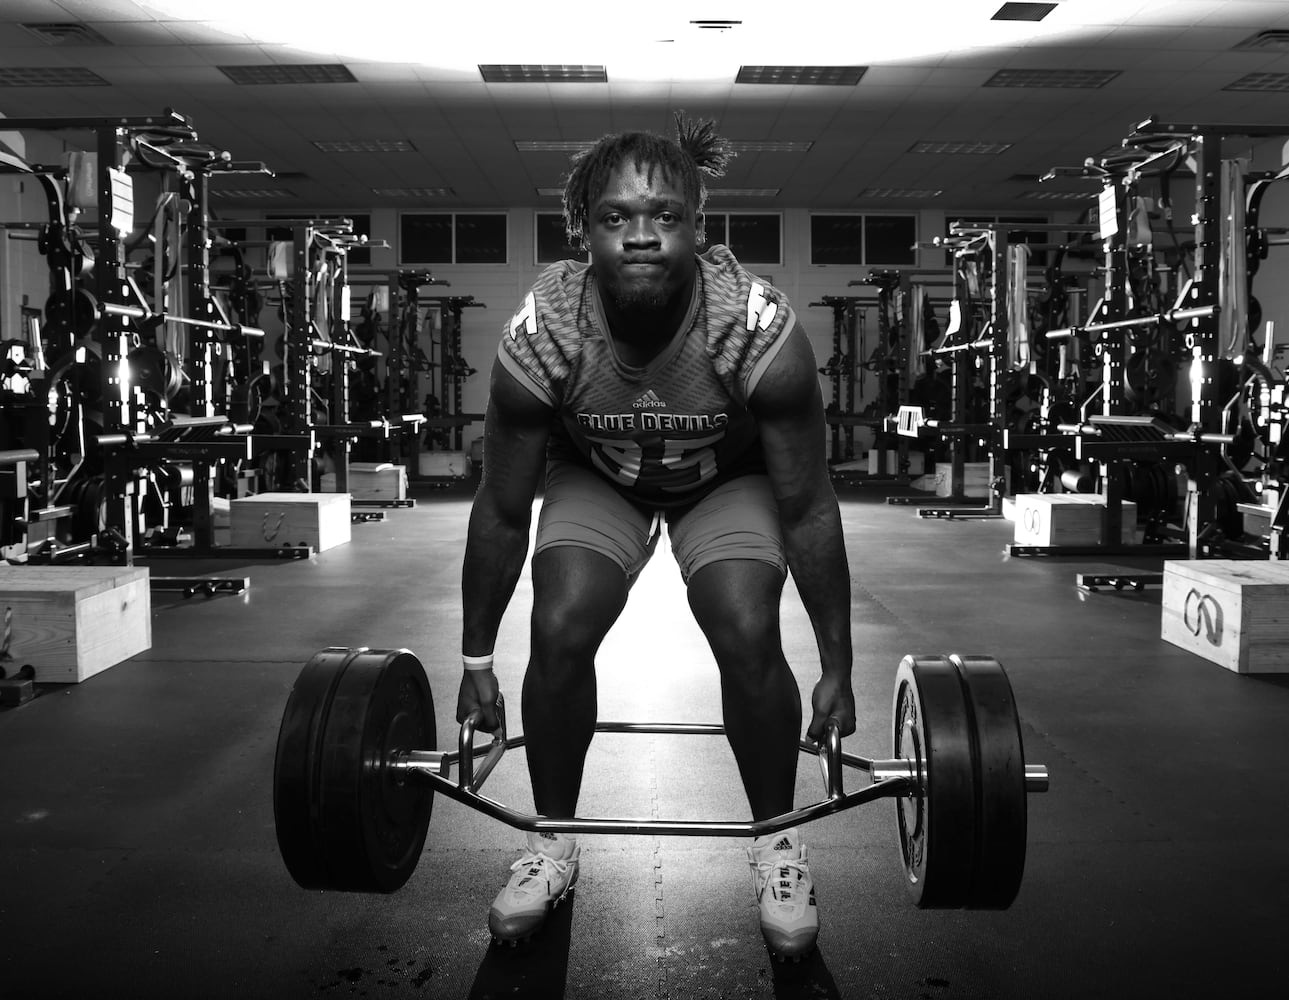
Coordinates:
642 240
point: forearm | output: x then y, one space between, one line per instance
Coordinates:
816 553
496 548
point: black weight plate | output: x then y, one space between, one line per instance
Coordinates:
931 728
296 766
371 818
1000 783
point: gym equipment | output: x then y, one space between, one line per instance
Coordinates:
354 785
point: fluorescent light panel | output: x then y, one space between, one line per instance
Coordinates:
900 193
274 73
249 193
771 146
50 76
1056 195
552 145
443 192
1272 38
807 76
1075 79
1262 82
1023 11
966 148
66 33
364 145
536 73
742 192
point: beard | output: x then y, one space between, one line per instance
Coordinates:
639 297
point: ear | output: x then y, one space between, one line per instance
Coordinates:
699 221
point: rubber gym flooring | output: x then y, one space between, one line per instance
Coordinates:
140 860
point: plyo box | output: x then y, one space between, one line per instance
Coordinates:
444 464
975 479
372 481
275 520
1234 612
71 622
1067 519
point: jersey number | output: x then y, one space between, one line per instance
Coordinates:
684 462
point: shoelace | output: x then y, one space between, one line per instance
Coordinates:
783 893
536 865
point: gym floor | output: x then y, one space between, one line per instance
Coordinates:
137 832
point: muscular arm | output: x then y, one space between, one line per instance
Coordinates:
789 410
516 427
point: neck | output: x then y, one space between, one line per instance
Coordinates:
644 331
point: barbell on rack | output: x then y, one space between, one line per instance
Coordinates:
354 778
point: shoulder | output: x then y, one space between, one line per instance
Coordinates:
553 300
542 340
747 317
789 381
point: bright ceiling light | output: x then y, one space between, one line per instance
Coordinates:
666 44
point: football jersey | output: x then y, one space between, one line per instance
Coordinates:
666 433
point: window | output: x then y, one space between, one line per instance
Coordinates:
552 242
452 238
753 238
858 240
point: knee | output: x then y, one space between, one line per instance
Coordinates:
564 642
745 641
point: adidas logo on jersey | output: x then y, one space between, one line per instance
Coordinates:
649 401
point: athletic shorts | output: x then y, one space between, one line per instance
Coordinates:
737 520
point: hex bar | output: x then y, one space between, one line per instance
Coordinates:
661 827
891 778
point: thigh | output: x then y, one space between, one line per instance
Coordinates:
738 521
581 510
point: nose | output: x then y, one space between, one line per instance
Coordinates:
641 232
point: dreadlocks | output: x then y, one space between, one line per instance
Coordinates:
695 151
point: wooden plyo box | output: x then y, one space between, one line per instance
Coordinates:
1067 519
444 464
71 622
975 479
1234 612
372 481
275 520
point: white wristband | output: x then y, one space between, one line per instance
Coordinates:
477 662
